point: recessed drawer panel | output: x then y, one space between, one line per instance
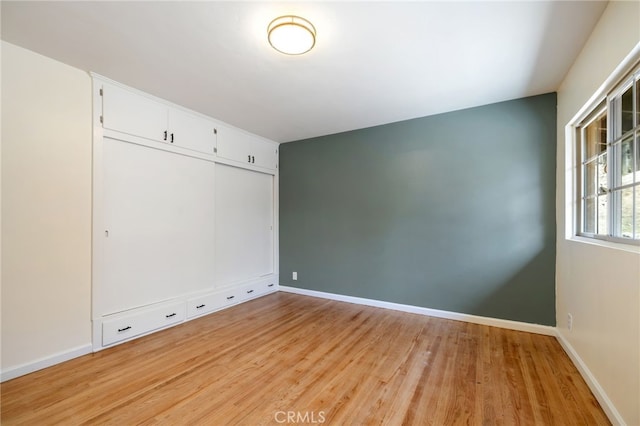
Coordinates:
251 291
212 302
131 325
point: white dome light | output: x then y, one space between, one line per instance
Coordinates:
291 35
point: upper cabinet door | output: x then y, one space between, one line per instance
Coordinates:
266 154
133 114
234 145
192 132
247 149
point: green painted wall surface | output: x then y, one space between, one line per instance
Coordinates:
453 211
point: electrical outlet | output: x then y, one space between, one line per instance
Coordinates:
569 322
294 276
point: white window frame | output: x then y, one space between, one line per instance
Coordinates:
626 74
615 137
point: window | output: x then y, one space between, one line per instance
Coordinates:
609 165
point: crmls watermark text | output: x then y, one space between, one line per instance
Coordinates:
299 417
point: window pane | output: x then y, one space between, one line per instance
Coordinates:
590 178
624 213
637 212
603 214
627 110
624 162
603 184
638 157
589 219
596 136
637 102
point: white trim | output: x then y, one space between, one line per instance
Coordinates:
614 78
606 404
571 163
45 362
630 247
492 322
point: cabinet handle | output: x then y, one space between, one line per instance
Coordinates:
249 158
170 315
230 297
200 306
165 135
120 330
270 285
253 159
249 291
171 137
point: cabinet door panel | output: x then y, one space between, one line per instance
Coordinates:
234 145
244 224
133 114
265 154
192 132
245 148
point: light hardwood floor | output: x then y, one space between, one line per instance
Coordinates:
287 357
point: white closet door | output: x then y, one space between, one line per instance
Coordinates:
244 224
159 216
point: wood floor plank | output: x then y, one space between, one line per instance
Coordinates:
319 361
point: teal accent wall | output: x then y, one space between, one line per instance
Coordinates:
454 211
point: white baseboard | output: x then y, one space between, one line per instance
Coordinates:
45 362
493 322
606 404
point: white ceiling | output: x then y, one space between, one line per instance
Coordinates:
373 63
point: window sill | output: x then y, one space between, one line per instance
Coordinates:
630 248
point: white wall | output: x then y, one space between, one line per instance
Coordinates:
599 285
46 211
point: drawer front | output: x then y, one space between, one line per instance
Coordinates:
201 305
251 291
212 302
125 327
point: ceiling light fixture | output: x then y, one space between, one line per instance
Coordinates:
291 35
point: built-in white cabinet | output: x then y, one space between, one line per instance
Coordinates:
137 115
184 215
245 148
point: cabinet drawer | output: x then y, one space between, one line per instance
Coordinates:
251 291
212 302
124 327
